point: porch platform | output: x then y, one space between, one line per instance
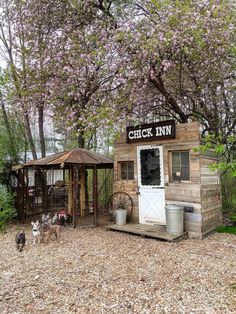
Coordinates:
152 231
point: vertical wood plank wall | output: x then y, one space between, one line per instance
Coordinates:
202 192
211 195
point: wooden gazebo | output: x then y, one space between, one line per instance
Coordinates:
73 164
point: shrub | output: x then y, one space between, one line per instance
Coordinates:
7 210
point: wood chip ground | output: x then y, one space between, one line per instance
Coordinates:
92 270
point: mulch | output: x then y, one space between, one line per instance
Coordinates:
92 270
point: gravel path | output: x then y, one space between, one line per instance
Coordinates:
97 271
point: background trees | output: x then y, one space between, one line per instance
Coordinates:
181 55
86 69
102 64
82 72
16 64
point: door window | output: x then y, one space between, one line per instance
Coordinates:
150 166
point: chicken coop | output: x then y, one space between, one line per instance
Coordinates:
78 182
157 166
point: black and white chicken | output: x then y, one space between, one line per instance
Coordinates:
20 240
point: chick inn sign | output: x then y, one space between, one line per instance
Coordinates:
151 132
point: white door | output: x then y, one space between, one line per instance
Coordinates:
151 184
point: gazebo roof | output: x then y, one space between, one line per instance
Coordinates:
76 156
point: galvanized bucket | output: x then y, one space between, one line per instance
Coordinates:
174 219
120 216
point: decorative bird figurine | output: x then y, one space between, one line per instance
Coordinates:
20 240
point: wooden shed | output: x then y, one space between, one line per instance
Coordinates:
156 165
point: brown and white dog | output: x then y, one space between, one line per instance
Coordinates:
36 232
50 231
49 227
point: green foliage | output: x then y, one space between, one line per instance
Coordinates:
233 218
224 148
223 229
12 141
9 153
7 204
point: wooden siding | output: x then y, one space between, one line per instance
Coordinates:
193 222
197 208
210 194
183 192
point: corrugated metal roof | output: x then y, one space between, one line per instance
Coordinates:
79 156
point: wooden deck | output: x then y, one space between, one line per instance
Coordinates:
152 231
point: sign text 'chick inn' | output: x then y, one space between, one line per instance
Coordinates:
151 132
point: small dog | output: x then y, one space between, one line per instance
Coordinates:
36 232
49 227
52 230
20 240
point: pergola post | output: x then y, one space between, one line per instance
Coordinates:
75 195
20 201
82 191
70 191
95 195
44 190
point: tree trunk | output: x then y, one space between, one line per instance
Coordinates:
81 141
29 135
173 105
41 130
7 42
7 124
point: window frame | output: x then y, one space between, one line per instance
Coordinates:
171 165
120 172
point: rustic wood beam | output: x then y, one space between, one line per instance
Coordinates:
82 191
70 192
75 195
95 193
